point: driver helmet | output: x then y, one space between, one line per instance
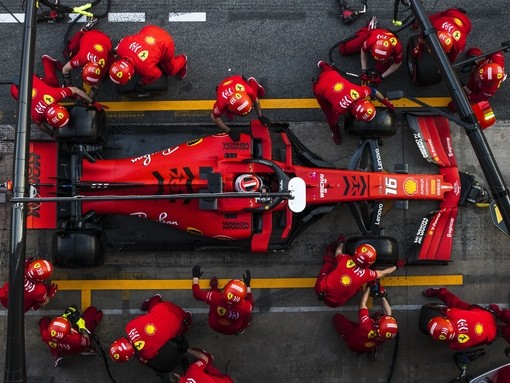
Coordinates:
92 73
39 270
364 255
363 110
381 50
56 115
387 327
490 74
441 329
240 103
235 291
121 72
248 183
121 350
446 40
59 328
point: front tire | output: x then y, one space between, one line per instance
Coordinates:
79 249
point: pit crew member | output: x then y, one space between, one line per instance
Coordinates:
36 292
237 96
70 333
149 53
156 338
90 50
342 275
461 325
202 370
371 331
229 310
503 316
380 44
452 26
338 96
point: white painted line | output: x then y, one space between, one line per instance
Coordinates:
186 17
7 18
126 17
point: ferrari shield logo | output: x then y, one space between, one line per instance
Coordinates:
371 334
463 338
350 264
456 35
221 311
354 94
139 345
393 41
143 55
239 88
48 99
101 62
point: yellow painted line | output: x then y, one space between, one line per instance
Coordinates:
275 103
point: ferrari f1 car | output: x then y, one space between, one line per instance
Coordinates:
197 191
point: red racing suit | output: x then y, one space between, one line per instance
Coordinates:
457 24
34 294
92 46
43 95
483 93
149 332
202 372
335 94
365 39
340 279
475 325
359 337
228 87
75 342
504 316
224 317
151 52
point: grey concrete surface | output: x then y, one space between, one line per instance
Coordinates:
291 338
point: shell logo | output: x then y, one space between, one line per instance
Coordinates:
239 87
338 87
34 92
354 94
221 311
98 47
345 280
410 186
139 345
224 322
192 230
226 83
478 328
194 141
369 344
458 22
150 329
150 40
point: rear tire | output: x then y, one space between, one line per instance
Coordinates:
383 125
424 71
386 247
78 249
427 312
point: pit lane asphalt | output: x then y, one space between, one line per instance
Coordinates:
292 338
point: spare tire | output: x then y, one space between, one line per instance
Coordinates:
386 247
384 124
77 249
154 89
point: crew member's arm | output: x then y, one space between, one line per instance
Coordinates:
393 67
364 298
66 73
386 306
80 93
219 123
364 60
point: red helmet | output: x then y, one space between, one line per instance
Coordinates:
446 40
240 103
441 329
364 255
57 115
121 350
92 73
363 110
39 270
235 291
387 327
248 183
381 50
59 328
121 72
489 74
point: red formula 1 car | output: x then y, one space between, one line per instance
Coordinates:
197 191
